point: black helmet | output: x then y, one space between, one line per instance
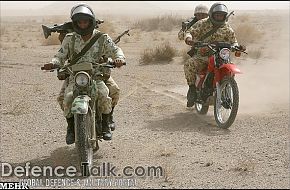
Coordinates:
80 12
217 8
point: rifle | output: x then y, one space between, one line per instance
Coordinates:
67 27
192 51
117 40
185 25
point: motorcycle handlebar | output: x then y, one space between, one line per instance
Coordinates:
110 64
213 45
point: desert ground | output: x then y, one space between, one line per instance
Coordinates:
154 126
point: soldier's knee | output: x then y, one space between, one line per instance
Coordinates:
105 105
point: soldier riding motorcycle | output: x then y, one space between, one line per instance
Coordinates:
211 71
216 85
86 105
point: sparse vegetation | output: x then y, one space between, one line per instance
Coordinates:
107 27
241 18
23 45
184 55
161 23
247 33
163 52
255 54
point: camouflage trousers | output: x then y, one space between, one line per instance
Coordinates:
193 66
108 96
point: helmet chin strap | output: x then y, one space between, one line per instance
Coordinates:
90 33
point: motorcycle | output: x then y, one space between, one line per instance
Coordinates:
216 85
84 109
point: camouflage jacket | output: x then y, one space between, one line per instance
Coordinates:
224 34
103 46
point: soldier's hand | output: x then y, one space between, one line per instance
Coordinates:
242 47
48 66
61 37
189 41
119 62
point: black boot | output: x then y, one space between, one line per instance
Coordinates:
98 125
70 133
191 95
107 135
112 124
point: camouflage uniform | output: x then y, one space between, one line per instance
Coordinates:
200 61
73 42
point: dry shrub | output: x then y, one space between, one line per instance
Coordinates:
56 19
241 18
255 54
107 27
163 52
247 33
23 45
184 55
137 35
51 40
161 23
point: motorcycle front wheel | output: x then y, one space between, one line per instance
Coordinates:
83 134
225 113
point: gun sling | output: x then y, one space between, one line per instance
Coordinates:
76 57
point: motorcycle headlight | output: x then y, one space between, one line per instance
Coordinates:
225 53
82 79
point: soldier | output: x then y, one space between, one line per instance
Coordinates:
200 12
217 18
84 23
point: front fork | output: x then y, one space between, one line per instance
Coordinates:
93 138
218 95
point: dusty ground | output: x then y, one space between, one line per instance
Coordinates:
155 128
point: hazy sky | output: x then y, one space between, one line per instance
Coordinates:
165 5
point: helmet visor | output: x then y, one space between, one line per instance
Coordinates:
220 8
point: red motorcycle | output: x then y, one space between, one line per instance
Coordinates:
216 84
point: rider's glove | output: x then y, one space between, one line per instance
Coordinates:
119 62
48 66
242 47
189 41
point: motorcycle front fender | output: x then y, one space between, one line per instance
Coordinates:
80 104
230 69
226 70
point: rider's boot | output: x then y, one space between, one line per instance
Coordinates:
112 124
70 133
191 95
107 135
98 125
